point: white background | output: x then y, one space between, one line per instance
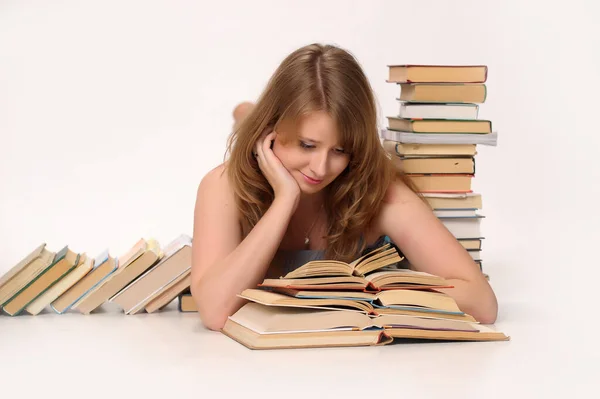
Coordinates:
111 112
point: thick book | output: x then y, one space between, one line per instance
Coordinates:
490 139
171 292
431 150
137 260
438 111
409 302
383 279
453 201
456 213
103 266
374 271
471 244
443 93
472 126
267 327
175 263
442 183
186 303
83 267
28 268
378 258
64 261
410 73
435 165
464 228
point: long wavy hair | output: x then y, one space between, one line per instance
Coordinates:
313 78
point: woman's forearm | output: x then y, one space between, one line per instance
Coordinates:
245 267
475 298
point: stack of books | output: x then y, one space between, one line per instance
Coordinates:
434 140
367 302
146 278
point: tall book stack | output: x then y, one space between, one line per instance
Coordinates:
434 139
144 279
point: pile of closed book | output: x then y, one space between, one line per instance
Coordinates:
434 138
145 279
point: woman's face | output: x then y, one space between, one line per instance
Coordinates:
311 152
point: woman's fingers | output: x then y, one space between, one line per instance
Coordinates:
267 142
255 150
259 151
263 145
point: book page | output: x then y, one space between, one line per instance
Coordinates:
266 319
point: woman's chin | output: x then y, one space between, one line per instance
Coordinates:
309 191
307 188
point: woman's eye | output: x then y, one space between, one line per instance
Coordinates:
339 150
304 145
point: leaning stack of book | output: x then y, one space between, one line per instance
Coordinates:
367 302
434 139
144 279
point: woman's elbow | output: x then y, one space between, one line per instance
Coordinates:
212 320
210 315
488 316
488 312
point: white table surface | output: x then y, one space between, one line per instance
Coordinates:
170 354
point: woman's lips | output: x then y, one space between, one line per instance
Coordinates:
311 180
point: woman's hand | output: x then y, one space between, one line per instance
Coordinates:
283 183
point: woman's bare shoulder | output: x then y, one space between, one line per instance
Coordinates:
399 208
216 177
399 192
216 183
396 194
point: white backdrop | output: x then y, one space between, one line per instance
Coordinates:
111 112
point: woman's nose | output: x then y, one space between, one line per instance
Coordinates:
319 165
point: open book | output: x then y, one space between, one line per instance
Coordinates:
380 257
395 302
268 327
279 314
371 272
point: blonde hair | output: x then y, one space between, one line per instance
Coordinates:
313 78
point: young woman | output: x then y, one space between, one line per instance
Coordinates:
307 178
